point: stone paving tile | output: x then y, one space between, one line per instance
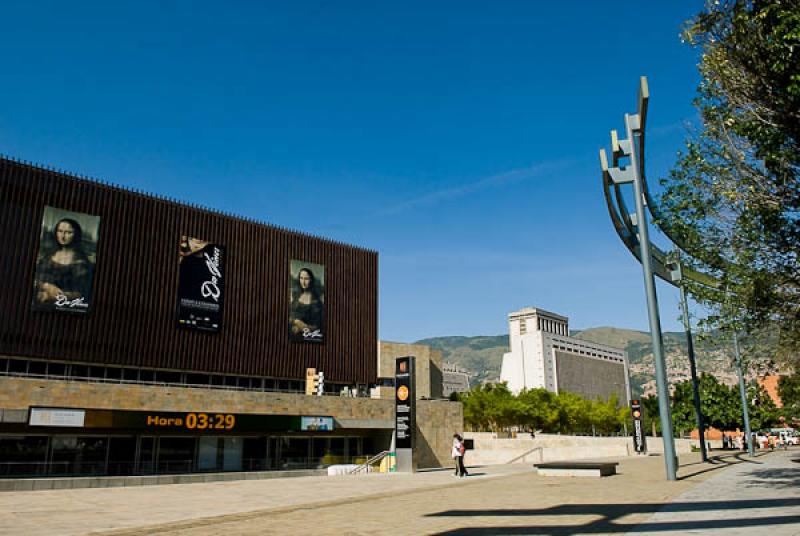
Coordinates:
762 497
80 511
508 499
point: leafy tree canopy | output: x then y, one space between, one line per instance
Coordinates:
789 391
733 197
493 408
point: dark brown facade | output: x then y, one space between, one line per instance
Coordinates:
132 320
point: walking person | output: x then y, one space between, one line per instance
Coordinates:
458 455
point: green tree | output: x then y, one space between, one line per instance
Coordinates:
573 413
651 419
490 407
683 417
789 391
604 415
763 411
720 404
733 197
539 410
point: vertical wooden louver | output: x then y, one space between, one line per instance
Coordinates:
132 321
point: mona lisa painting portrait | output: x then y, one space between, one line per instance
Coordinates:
306 302
66 260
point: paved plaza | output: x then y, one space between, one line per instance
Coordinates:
734 495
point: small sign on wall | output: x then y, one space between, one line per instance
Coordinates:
70 418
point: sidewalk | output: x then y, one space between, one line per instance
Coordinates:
760 497
734 493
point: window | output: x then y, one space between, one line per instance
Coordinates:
17 366
166 376
39 368
113 373
130 375
147 376
55 370
197 379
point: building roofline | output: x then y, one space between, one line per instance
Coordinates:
165 199
537 311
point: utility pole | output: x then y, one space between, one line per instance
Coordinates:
743 395
675 268
701 428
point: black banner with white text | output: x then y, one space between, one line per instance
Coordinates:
200 284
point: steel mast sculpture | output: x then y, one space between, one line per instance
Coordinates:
627 167
667 266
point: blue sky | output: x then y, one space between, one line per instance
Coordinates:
458 139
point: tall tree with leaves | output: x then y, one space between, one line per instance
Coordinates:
763 411
651 419
539 409
721 405
733 197
789 391
490 406
682 408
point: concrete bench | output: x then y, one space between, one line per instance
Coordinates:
576 468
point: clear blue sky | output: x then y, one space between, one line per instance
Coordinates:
458 139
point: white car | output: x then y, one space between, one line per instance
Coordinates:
789 435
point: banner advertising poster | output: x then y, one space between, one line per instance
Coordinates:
306 302
66 260
316 424
405 406
639 441
201 276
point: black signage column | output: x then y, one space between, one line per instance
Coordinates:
405 413
639 442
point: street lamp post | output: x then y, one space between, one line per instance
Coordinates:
701 428
675 267
743 395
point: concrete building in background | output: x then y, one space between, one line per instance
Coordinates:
428 369
543 355
454 380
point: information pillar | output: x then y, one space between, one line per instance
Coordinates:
405 413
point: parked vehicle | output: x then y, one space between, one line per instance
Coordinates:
789 435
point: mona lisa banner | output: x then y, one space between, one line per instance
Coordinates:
201 278
66 260
306 302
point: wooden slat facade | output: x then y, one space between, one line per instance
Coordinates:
132 321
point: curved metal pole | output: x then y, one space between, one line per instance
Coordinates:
623 225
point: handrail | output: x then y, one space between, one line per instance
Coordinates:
534 449
375 459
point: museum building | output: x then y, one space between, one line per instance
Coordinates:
144 336
543 356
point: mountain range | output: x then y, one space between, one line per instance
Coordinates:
482 356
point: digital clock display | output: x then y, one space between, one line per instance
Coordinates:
194 421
